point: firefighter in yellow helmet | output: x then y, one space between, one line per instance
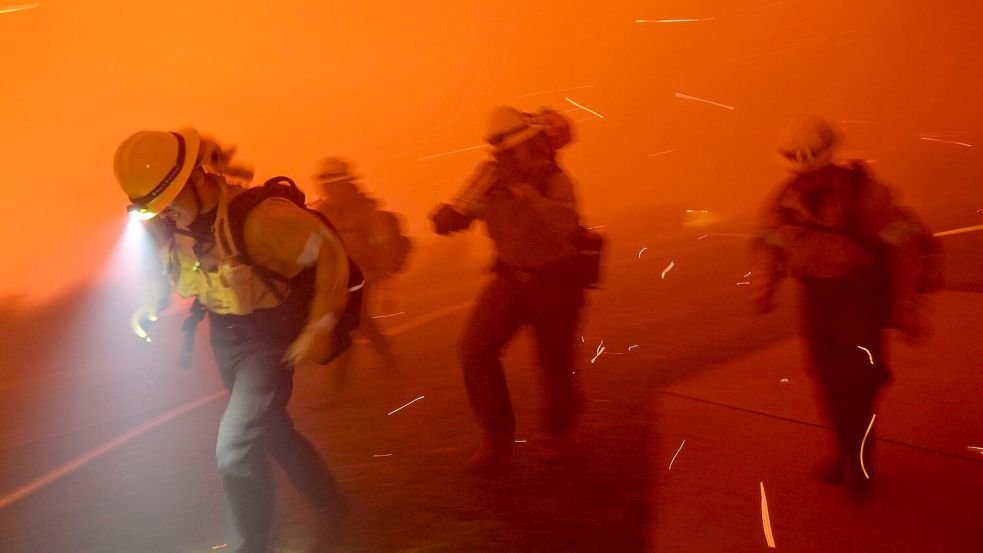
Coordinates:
274 279
855 254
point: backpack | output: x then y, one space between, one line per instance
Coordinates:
284 187
390 247
930 268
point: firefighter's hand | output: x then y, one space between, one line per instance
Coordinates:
446 220
313 345
142 320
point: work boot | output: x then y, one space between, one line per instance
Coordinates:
494 453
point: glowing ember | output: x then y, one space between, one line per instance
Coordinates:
694 98
965 145
390 315
672 20
555 91
20 8
424 158
667 269
404 406
600 350
863 443
766 518
588 110
677 453
869 355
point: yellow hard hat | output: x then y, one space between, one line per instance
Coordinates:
153 166
807 143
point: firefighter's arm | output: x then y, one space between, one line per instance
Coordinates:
324 249
767 270
767 259
287 238
459 213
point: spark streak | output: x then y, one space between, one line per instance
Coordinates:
600 350
424 158
383 455
520 441
632 347
766 519
641 251
863 443
557 90
672 20
976 449
587 109
20 8
390 315
959 230
667 269
677 453
664 153
694 98
744 283
947 141
869 354
404 406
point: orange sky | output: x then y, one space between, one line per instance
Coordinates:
385 83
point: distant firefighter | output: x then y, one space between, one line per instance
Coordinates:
279 290
864 264
527 203
373 237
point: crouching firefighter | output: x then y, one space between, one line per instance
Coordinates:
279 290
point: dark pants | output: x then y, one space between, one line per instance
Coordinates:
552 307
840 317
256 426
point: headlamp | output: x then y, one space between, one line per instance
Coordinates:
140 213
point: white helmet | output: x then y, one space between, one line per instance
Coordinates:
509 127
807 143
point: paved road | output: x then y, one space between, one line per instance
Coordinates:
72 382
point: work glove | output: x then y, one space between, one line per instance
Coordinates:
447 220
314 344
142 320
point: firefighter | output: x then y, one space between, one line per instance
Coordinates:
854 252
274 290
373 238
527 203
